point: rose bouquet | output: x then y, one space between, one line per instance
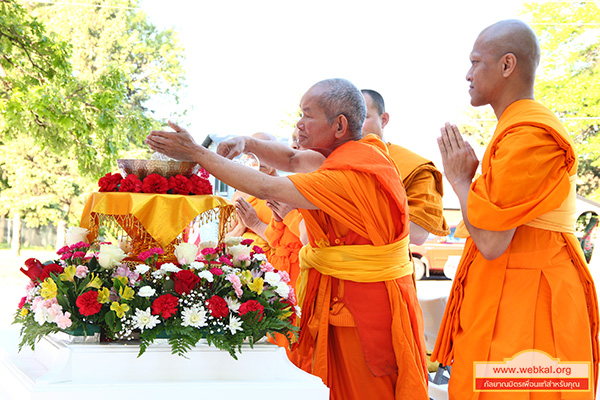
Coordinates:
225 293
155 183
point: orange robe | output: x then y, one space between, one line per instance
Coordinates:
265 214
424 189
284 240
366 333
539 293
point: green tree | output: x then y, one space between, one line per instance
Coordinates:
569 78
86 108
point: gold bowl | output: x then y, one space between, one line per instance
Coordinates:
143 168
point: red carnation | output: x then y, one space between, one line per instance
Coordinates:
179 184
154 183
88 303
51 269
258 250
22 302
110 182
218 307
203 173
252 306
199 185
216 271
131 183
33 268
185 281
165 305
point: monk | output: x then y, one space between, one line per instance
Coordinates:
253 214
359 308
422 180
522 283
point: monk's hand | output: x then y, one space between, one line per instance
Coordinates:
231 148
246 213
458 157
178 144
280 210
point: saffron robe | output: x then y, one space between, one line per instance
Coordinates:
366 333
284 240
539 293
424 189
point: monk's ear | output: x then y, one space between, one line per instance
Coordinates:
509 64
385 118
341 125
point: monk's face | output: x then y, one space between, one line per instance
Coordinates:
314 131
373 123
485 74
295 144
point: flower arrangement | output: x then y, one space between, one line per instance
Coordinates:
155 183
226 293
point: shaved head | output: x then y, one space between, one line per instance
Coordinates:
516 37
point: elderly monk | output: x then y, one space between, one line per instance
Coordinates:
422 180
522 283
359 308
253 214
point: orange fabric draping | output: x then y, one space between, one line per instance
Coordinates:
424 189
164 216
361 201
539 294
284 240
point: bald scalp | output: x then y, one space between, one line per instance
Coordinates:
516 37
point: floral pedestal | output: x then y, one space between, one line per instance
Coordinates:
59 370
152 220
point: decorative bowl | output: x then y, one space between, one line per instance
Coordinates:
143 168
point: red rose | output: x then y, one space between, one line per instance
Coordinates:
154 183
179 184
51 269
199 185
88 303
252 306
165 305
185 281
110 182
131 184
218 307
33 268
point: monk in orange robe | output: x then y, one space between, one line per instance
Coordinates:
522 283
422 180
359 308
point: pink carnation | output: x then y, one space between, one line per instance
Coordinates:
63 320
267 267
81 271
285 277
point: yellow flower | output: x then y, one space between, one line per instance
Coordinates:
257 285
246 277
24 311
49 289
123 279
126 293
95 283
120 309
68 274
285 316
103 295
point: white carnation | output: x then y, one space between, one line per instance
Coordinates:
211 244
206 275
170 267
260 257
233 241
196 265
142 269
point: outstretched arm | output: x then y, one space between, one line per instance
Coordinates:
460 164
181 146
274 154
